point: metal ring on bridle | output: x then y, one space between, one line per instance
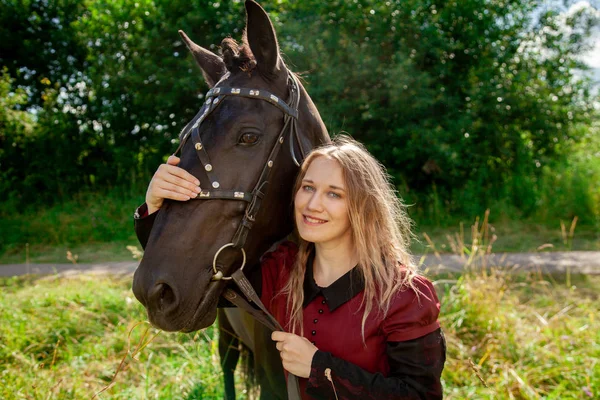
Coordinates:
218 276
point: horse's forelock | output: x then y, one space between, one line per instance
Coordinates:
236 56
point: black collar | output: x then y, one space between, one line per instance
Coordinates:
336 294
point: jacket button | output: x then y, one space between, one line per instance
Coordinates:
321 311
315 320
314 333
323 302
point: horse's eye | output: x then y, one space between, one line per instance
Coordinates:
249 138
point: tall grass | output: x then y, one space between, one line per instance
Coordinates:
523 337
89 216
509 336
66 338
517 335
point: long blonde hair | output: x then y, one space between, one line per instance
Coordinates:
380 226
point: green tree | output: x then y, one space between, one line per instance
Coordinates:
461 96
466 101
16 131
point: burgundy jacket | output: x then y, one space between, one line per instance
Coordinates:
402 355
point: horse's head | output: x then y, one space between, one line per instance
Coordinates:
255 120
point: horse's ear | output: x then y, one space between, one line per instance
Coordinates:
213 67
262 40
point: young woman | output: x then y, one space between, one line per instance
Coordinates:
363 322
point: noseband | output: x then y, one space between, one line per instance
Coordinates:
214 97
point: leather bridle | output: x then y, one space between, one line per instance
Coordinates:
214 98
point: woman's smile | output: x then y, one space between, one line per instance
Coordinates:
313 221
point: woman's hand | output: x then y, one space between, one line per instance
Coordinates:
296 353
170 182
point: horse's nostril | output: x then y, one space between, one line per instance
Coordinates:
162 296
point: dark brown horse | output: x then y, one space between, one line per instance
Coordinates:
233 141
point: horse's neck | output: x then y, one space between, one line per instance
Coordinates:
317 131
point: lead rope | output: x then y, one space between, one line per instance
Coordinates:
262 316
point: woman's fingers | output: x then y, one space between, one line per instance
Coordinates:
296 353
179 182
279 335
166 169
171 182
177 188
173 195
178 177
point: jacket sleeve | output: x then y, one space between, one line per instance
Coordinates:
415 373
143 223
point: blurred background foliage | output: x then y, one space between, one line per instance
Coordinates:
470 104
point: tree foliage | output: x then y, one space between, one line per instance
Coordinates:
460 95
456 97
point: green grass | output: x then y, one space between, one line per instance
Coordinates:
523 337
509 337
86 253
64 338
512 236
95 226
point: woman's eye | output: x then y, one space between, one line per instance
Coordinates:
334 195
249 138
307 188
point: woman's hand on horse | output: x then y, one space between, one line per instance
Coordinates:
296 353
170 182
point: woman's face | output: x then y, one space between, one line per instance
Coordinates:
320 205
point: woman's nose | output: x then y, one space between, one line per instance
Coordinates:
314 203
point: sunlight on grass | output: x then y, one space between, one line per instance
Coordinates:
516 335
523 337
65 338
509 336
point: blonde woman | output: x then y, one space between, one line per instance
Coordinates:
363 322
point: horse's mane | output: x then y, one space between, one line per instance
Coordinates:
237 56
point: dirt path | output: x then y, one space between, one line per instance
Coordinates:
578 262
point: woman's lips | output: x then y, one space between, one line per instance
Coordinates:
313 221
